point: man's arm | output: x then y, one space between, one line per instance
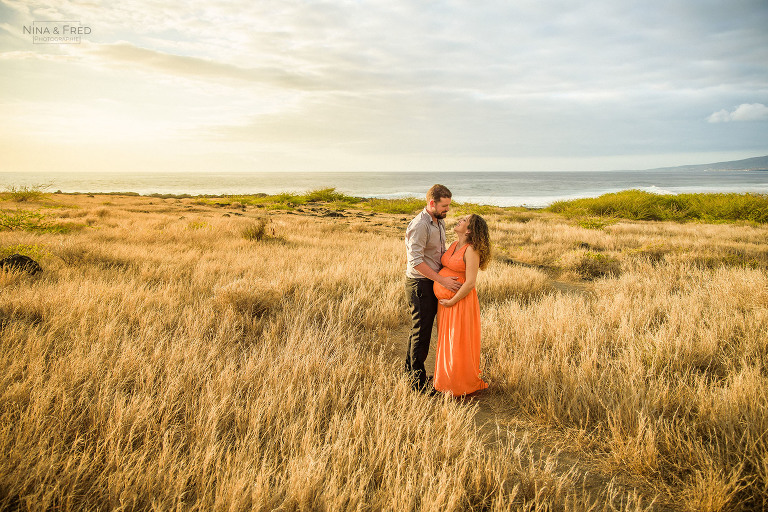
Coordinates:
416 236
450 282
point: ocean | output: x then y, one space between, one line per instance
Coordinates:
531 189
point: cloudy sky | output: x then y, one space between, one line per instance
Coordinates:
382 85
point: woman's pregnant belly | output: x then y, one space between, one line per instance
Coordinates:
441 292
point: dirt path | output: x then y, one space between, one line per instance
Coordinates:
498 422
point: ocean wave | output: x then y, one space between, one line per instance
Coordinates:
653 189
393 195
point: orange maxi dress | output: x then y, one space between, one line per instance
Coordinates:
457 362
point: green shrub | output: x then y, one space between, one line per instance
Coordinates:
34 251
25 193
23 220
328 195
406 205
594 223
170 196
338 201
26 220
640 205
478 209
593 265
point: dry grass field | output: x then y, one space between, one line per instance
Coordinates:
179 354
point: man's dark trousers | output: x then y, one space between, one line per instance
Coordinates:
423 306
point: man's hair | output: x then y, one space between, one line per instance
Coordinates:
437 192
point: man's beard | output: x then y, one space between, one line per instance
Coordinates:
440 215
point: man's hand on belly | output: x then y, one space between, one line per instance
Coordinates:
450 282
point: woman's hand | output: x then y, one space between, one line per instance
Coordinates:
472 260
447 302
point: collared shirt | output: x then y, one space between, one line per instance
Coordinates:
424 242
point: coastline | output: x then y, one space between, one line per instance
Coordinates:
528 189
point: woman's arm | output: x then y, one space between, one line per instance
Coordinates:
472 260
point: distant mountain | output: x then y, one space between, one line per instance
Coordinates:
759 163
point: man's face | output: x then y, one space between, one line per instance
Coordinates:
440 209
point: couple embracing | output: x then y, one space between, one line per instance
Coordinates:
440 283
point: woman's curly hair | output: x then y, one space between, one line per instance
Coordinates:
477 235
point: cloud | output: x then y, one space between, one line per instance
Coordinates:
195 67
315 78
744 112
36 56
374 78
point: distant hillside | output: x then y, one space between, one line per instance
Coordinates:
759 163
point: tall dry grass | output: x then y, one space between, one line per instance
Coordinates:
163 361
563 245
663 368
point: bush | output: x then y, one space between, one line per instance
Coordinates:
34 251
594 223
287 200
170 196
25 193
328 195
407 205
23 220
594 265
339 201
640 205
477 209
258 230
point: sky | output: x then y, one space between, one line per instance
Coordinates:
381 85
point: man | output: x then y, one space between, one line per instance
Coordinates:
425 245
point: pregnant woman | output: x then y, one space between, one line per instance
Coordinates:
457 363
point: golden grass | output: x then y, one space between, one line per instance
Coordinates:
665 368
551 241
162 360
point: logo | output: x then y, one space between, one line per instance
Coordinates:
56 32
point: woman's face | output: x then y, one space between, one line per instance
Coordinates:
461 226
